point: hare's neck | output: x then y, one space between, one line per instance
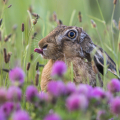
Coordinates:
46 73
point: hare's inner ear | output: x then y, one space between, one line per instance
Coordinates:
99 57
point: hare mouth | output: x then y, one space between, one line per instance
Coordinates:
40 51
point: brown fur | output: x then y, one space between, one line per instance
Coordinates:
45 78
82 72
60 47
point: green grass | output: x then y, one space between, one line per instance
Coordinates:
105 35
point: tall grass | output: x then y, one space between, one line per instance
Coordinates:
22 46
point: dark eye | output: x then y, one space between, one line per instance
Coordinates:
71 34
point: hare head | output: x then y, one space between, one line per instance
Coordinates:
72 41
62 41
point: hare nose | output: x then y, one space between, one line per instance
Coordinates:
41 43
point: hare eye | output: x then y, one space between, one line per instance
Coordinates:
71 34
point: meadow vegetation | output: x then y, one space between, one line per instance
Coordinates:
22 25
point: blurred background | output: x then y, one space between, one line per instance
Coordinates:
100 11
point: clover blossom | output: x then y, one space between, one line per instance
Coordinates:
56 88
114 86
3 95
52 116
76 101
21 115
31 93
14 93
17 75
59 68
70 88
98 93
7 108
115 105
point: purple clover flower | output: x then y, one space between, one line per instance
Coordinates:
70 88
43 96
2 116
59 68
14 93
21 115
109 96
114 86
7 108
84 89
3 95
31 93
56 88
115 105
76 101
98 93
52 116
17 75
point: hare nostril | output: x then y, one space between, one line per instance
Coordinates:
45 46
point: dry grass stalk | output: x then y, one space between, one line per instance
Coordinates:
5 55
22 27
54 16
5 1
8 37
93 23
79 17
59 22
40 65
34 35
0 22
5 70
8 56
28 66
114 2
9 6
37 65
37 79
31 57
34 21
35 15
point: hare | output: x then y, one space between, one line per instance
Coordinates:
72 44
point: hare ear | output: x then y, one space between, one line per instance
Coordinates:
99 61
